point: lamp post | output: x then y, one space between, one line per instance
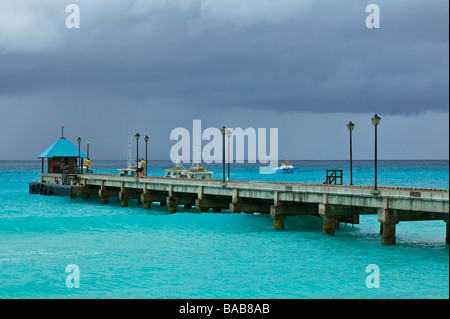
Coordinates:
146 159
229 135
350 127
375 121
79 154
224 131
137 153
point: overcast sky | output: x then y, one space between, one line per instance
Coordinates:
149 66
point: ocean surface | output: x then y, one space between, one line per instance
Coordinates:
129 252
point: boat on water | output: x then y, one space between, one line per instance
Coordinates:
174 172
196 172
286 167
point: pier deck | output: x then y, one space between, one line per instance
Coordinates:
332 203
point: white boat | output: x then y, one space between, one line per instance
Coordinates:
131 169
196 172
286 167
174 172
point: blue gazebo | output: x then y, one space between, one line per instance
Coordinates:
60 155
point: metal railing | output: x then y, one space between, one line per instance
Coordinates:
334 176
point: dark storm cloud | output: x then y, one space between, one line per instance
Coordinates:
319 59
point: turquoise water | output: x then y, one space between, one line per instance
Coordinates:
129 252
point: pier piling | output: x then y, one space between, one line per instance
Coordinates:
328 226
172 204
388 234
388 219
325 211
278 221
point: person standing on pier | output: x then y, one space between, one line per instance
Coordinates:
144 164
140 170
88 164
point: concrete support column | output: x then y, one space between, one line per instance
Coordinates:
123 198
146 205
142 200
234 208
328 219
388 220
234 205
328 226
200 206
170 200
278 222
145 200
103 194
123 195
388 234
172 205
277 212
278 216
199 202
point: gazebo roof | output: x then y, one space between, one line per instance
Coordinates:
61 148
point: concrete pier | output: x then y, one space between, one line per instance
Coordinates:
332 203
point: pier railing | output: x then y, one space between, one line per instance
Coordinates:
334 176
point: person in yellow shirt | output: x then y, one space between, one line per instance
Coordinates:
88 164
144 164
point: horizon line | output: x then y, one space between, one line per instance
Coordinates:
438 159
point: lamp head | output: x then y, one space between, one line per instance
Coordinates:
350 126
224 130
376 119
137 136
146 138
79 140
